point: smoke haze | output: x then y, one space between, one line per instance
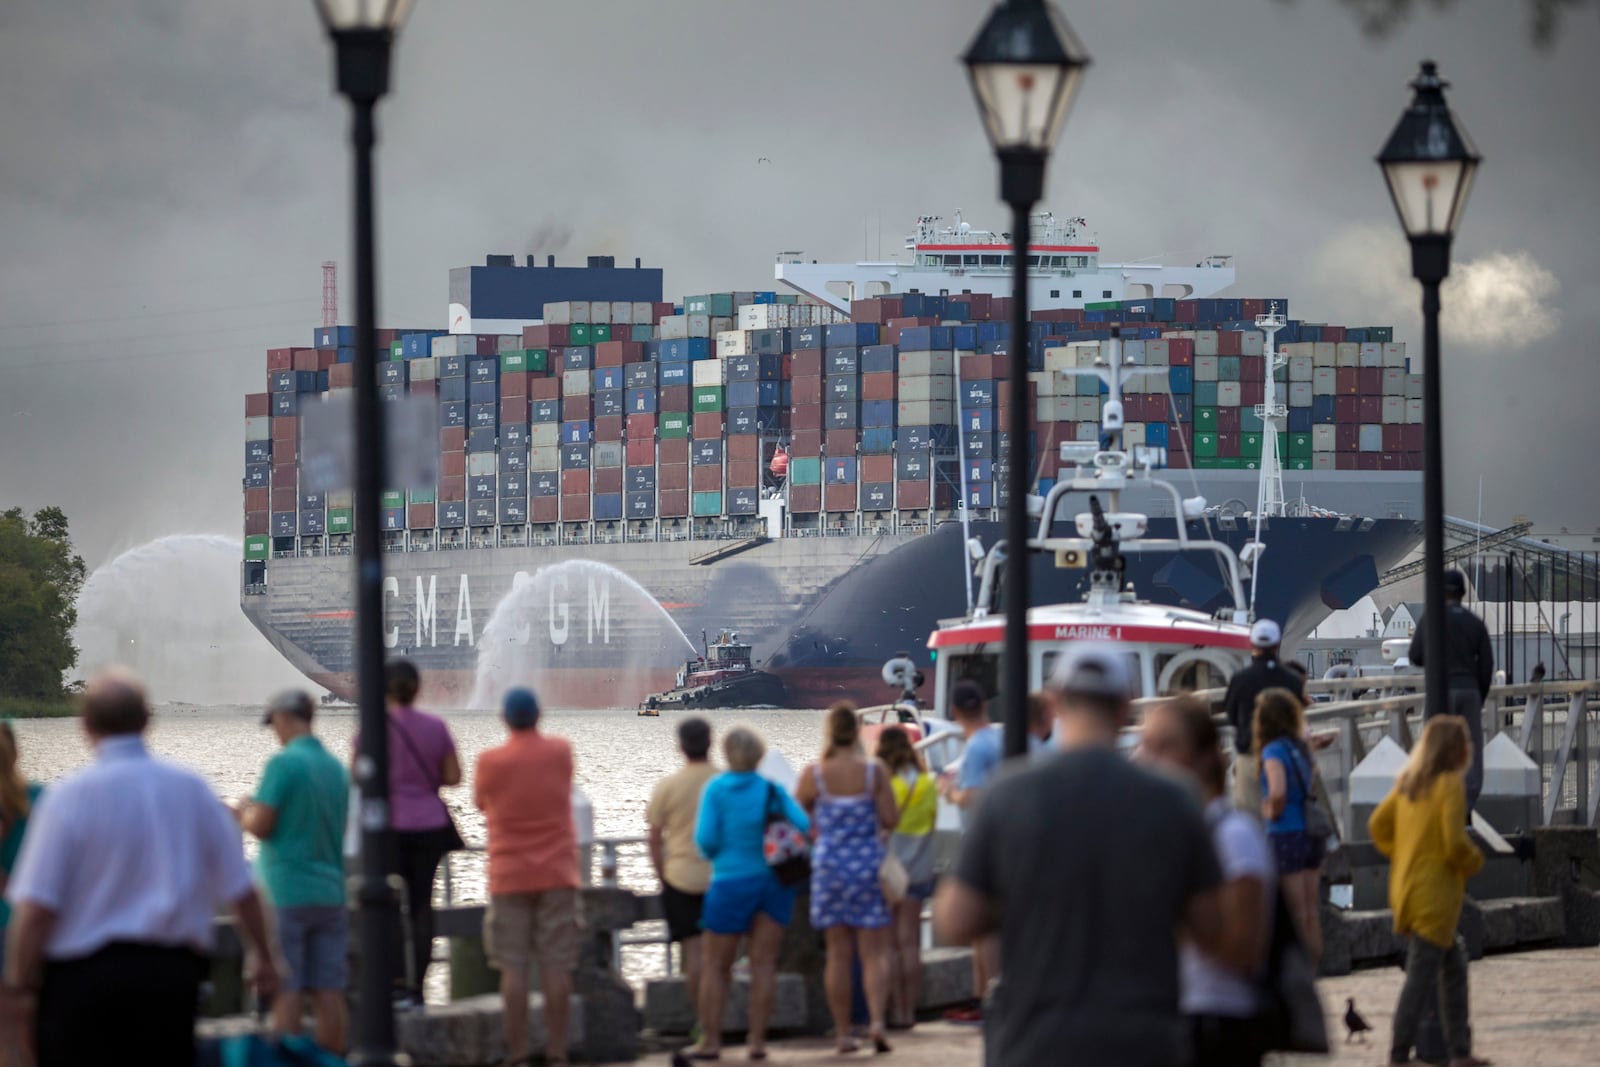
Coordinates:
174 173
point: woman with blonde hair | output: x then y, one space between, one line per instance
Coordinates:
1278 740
17 799
1421 827
853 804
916 795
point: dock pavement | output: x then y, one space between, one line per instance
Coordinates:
1529 1009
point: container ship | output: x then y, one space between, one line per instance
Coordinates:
808 468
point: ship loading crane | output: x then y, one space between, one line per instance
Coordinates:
1471 544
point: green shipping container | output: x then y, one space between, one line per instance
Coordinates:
1205 445
788 298
1206 463
1205 418
1381 334
511 362
805 471
580 333
257 547
538 359
421 496
392 498
1228 368
697 305
641 332
708 398
674 424
341 520
1250 446
600 331
1233 463
1103 305
722 305
1205 394
707 504
1298 465
1300 446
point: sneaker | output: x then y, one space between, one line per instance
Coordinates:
964 1015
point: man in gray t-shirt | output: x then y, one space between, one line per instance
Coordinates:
1090 867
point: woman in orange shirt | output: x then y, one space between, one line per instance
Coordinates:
1421 827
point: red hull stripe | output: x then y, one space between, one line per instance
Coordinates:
1073 631
345 614
1003 249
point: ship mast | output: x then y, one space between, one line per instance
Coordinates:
1272 412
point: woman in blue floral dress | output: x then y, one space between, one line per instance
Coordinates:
852 803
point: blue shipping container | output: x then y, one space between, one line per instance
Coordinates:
980 419
964 338
1155 433
840 470
607 378
1323 410
639 376
477 392
483 415
912 438
850 334
392 518
483 370
674 374
451 367
336 337
575 433
1299 420
285 404
574 457
514 458
480 439
1180 379
257 452
876 440
742 394
641 401
641 505
608 402
544 483
452 390
545 410
480 487
450 514
977 394
811 337
877 414
607 506
980 495
706 453
878 359
513 435
453 413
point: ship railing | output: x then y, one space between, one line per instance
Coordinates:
284 553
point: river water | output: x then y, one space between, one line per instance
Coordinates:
619 757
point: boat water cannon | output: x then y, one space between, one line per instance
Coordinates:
1106 560
901 673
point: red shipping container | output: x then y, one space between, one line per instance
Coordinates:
674 450
576 408
1047 464
427 388
743 447
1413 461
285 476
257 499
420 516
1249 309
575 508
1394 440
453 439
1347 380
327 358
877 468
1252 368
1229 343
675 398
514 383
877 386
544 509
1346 436
1369 380
1346 409
641 426
1347 461
1369 408
673 503
640 452
514 409
306 359
574 482
257 523
453 489
975 368
257 405
608 479
1188 311
550 335
807 363
706 479
1227 422
617 353
285 499
744 475
807 390
1227 444
1180 351
805 443
839 443
285 428
1177 457
280 359
1252 393
673 476
806 417
707 425
979 304
452 464
911 494
1369 461
342 376
839 498
786 366
283 453
608 428
544 389
1411 439
1333 333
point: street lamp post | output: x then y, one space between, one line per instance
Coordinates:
1429 163
1025 65
363 36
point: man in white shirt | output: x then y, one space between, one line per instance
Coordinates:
125 864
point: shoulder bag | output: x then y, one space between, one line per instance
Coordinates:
787 852
893 878
453 841
1319 824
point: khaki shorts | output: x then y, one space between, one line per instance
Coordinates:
1247 784
520 929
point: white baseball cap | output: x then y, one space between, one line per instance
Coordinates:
1092 669
1265 634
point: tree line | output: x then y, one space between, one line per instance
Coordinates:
40 578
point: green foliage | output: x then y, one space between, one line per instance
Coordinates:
40 577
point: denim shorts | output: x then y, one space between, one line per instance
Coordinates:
315 946
1296 851
731 904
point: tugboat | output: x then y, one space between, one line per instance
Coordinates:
722 677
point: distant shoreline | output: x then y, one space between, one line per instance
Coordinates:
23 708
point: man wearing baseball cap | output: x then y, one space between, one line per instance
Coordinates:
1266 671
298 812
1469 666
1090 868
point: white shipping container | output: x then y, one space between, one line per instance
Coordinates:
599 311
674 327
733 343
1324 461
1324 437
577 383
720 323
1252 342
544 457
1132 434
1088 431
1371 354
544 434
1133 351
1414 412
1371 437
914 364
1300 368
510 342
1087 352
1299 348
622 313
1300 394
1413 387
643 313
1394 410
1394 382
1324 354
1227 394
1069 384
558 313
927 387
1394 355
424 370
608 454
1044 381
926 413
1157 353
258 428
580 311
341 498
1324 381
1087 409
1205 368
699 326
480 464
1205 342
1050 409
1059 359
1347 354
757 317
706 372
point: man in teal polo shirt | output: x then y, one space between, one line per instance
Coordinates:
298 812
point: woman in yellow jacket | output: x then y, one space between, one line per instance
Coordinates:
1421 827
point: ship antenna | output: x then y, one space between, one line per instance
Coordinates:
1269 486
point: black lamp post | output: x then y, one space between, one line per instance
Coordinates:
1026 66
1429 162
363 35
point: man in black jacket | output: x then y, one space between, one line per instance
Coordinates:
1266 671
1469 663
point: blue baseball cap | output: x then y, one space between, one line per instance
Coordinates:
520 708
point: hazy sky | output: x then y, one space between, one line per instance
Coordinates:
173 173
